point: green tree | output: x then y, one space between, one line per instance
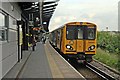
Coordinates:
109 42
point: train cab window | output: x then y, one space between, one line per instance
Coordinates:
91 33
71 35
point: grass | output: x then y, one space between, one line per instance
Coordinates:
110 59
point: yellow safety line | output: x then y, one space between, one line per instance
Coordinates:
56 73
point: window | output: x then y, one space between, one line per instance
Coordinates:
80 33
53 36
71 34
3 34
3 26
74 32
58 35
91 33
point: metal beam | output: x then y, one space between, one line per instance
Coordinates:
49 9
46 3
47 13
50 6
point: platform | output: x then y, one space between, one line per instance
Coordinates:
44 62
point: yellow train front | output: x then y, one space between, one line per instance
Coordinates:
76 40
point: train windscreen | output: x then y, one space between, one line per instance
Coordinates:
80 32
74 32
71 35
91 33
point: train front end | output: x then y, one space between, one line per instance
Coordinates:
80 40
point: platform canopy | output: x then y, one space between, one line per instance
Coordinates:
38 11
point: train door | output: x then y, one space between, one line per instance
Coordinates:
80 42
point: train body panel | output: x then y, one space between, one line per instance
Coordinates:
88 44
80 46
63 40
76 39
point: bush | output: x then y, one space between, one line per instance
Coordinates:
109 42
108 58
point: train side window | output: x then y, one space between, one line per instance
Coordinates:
59 35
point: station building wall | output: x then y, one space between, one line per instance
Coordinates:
9 14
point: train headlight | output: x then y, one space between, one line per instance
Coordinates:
69 47
91 47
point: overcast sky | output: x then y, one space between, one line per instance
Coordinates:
104 13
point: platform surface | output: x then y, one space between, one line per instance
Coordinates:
44 62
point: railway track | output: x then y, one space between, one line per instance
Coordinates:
101 73
89 71
85 70
105 69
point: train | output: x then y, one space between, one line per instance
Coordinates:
76 40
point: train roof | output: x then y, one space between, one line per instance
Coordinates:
76 23
80 23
